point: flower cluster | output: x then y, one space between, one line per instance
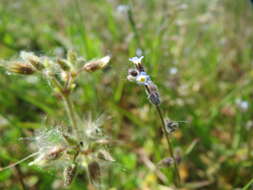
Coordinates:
139 76
81 145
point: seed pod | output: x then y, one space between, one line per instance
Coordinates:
32 59
69 174
22 68
94 172
96 64
63 64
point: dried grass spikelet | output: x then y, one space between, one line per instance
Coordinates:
21 68
94 172
32 59
69 174
97 64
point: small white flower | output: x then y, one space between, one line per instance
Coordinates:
122 8
173 71
242 104
136 60
143 78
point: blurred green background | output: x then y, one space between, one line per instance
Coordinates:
200 54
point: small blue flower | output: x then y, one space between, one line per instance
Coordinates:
136 60
143 78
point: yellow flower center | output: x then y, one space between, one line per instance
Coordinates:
142 79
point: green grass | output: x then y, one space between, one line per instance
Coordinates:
209 42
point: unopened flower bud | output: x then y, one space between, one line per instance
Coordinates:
153 94
96 64
154 98
133 72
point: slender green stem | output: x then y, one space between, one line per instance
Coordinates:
176 171
68 106
71 113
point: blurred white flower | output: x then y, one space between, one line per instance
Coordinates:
242 104
173 70
122 8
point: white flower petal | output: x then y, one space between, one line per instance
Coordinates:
136 60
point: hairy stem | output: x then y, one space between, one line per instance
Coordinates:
176 171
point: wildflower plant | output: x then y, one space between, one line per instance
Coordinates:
139 76
79 147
